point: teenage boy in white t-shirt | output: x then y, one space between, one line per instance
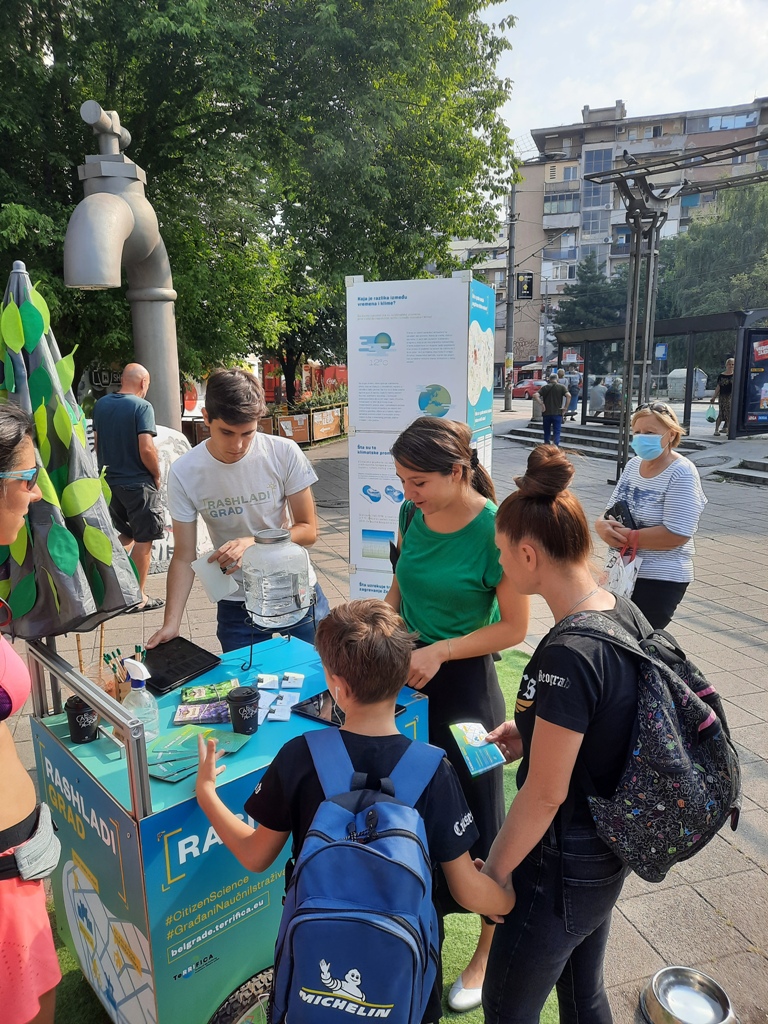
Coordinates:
240 481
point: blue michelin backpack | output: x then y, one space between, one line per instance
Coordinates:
359 929
682 780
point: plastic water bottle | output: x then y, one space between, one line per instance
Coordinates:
276 580
140 701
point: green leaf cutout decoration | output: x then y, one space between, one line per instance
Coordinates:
23 596
62 424
54 591
12 328
41 306
45 484
65 368
98 544
32 325
63 549
5 589
19 547
4 553
41 427
106 490
79 496
97 586
40 387
59 478
10 376
79 432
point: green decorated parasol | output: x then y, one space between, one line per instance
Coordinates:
67 571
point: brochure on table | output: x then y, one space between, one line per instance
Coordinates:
415 348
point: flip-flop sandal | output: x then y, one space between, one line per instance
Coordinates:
151 605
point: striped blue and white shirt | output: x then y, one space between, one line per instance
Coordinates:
674 499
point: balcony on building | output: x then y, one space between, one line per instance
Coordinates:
558 255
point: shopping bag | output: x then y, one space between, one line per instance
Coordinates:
711 414
620 571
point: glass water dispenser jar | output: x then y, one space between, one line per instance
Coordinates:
276 580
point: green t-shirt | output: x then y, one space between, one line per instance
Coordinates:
448 581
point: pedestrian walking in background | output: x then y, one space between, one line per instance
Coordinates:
123 433
597 395
553 399
722 395
573 379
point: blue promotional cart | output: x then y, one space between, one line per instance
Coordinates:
165 923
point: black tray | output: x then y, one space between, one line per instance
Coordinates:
176 662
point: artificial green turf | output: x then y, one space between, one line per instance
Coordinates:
76 1002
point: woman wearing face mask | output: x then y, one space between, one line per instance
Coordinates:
30 969
663 491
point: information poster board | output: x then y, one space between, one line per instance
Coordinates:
415 348
754 411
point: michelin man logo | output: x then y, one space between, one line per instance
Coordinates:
350 986
348 997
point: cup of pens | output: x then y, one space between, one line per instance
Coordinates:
113 664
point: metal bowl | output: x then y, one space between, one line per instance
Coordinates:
681 995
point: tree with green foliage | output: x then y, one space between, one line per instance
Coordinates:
593 300
362 135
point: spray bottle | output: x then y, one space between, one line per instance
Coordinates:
140 701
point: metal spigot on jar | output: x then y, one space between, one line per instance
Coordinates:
276 580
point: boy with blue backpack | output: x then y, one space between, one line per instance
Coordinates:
370 812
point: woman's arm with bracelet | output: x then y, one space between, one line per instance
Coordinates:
498 636
651 538
553 756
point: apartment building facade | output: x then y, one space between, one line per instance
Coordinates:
581 217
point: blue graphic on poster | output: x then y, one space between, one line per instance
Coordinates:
434 400
97 885
376 344
482 318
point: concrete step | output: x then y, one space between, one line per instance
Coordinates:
598 441
759 465
744 476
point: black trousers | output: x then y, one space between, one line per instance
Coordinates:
658 600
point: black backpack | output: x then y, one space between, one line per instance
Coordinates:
682 780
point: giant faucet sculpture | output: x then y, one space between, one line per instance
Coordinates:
115 224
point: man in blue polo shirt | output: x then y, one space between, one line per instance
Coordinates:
124 428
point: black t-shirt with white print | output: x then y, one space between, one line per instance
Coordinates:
289 794
590 687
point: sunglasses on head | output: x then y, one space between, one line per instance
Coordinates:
28 475
661 407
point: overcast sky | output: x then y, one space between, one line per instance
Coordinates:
659 56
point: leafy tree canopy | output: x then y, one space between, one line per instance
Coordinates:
286 145
592 300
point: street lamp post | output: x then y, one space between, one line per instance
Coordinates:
509 338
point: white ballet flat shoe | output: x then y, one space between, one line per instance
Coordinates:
461 999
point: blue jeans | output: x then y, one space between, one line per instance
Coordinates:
556 934
234 628
552 424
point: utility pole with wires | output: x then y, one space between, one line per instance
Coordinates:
509 338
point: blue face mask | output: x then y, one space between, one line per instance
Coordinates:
647 446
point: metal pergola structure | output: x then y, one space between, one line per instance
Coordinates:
647 207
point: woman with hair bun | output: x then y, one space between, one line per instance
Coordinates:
577 698
450 588
663 493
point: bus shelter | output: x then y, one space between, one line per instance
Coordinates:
679 343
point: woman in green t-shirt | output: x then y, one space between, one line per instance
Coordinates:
450 589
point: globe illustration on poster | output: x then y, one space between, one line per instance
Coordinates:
383 340
435 400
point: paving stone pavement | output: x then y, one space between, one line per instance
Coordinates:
711 913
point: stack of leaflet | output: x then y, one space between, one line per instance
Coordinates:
205 703
174 757
276 706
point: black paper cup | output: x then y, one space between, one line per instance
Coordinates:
83 721
244 709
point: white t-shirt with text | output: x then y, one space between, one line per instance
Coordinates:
240 498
